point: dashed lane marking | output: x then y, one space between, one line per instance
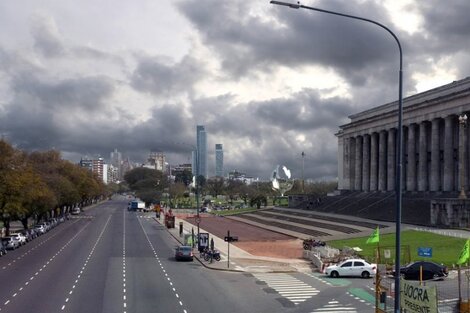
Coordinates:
161 266
86 261
47 263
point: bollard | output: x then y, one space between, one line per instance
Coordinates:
181 228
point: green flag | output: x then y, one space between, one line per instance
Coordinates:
374 237
463 257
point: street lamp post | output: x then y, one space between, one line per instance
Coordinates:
399 159
197 198
463 124
303 184
196 183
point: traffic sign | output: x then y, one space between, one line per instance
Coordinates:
425 251
230 238
204 240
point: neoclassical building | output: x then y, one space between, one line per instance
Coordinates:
435 141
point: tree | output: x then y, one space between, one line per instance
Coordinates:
233 189
148 184
185 177
215 185
258 200
141 173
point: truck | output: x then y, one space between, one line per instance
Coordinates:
136 205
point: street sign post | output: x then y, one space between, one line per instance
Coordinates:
203 241
425 252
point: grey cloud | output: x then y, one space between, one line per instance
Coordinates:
244 41
46 36
87 93
156 76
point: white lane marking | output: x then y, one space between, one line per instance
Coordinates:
161 266
91 253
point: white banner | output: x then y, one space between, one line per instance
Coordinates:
416 298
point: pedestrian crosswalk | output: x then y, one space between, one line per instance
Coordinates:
288 286
334 306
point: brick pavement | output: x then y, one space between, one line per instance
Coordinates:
254 240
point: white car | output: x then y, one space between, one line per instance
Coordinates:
352 267
20 237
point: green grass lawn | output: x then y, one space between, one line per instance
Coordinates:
445 249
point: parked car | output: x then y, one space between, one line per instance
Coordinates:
20 237
10 243
28 234
352 267
3 248
76 211
40 229
430 270
184 253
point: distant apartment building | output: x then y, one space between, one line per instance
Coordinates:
126 166
113 174
156 160
95 166
201 146
180 168
236 175
219 160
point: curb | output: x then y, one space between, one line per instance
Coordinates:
197 258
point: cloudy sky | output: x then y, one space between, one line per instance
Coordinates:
268 82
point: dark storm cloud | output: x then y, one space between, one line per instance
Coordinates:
446 28
159 77
88 93
244 41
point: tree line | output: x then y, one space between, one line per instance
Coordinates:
40 185
152 185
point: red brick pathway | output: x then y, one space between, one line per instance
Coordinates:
254 240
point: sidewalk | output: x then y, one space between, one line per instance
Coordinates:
240 260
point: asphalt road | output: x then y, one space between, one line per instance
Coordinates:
112 260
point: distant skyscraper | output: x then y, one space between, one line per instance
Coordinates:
116 161
219 160
201 145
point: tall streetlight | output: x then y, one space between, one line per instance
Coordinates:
303 184
399 159
463 124
196 183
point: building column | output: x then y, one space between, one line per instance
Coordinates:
423 157
411 162
435 175
448 184
382 160
352 162
374 156
366 163
391 159
358 169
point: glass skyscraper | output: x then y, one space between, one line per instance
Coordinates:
201 146
219 160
